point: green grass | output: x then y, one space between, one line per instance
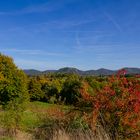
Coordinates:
47 105
6 138
41 107
30 120
32 117
42 104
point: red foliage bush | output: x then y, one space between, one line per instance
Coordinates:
118 104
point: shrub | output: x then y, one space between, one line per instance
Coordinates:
117 105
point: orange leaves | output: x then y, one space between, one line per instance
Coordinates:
84 92
95 118
55 113
137 107
118 101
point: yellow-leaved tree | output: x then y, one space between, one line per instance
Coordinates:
13 92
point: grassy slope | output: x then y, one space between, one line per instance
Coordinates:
32 117
36 111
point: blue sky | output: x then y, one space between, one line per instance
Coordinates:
87 34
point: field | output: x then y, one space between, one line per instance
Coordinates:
67 105
41 116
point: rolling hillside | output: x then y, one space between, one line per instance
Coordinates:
101 71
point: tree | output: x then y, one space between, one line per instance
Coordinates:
70 92
35 89
13 82
13 90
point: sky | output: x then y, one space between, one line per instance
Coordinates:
86 34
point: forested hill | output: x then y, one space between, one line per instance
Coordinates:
101 71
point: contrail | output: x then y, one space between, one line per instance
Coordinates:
113 21
78 42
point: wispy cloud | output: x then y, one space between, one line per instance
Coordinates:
31 52
78 42
29 63
45 7
62 24
92 41
39 8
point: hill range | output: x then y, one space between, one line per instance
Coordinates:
102 71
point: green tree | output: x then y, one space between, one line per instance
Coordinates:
13 92
70 92
35 89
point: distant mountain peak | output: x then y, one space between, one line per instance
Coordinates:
69 70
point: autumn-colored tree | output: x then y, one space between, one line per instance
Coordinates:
13 82
13 92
